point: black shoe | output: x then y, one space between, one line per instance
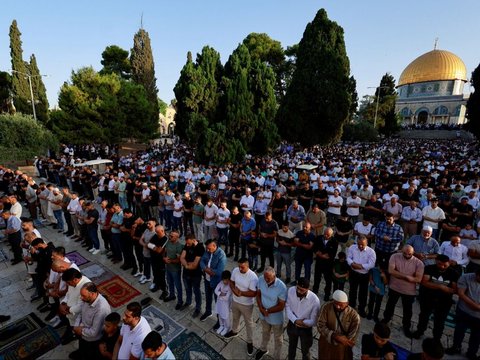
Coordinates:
230 335
250 349
4 318
67 338
126 267
369 316
134 271
178 306
45 308
75 355
287 281
326 298
362 314
163 296
155 289
229 255
184 306
51 315
15 261
376 319
216 326
195 314
407 333
205 316
170 298
235 258
31 287
35 298
260 270
453 350
417 334
260 354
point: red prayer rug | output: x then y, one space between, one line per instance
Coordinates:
117 291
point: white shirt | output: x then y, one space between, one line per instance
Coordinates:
457 253
366 258
306 308
210 213
353 211
248 201
244 282
16 210
177 205
362 229
222 216
72 298
436 214
132 339
335 201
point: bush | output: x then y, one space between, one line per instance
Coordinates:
361 131
22 138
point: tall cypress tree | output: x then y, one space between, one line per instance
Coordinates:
473 104
20 86
39 91
318 99
143 68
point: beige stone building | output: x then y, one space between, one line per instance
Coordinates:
166 122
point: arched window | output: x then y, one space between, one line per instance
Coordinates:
441 110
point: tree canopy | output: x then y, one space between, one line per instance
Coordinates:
115 60
473 104
106 108
318 100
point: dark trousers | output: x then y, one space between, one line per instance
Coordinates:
127 249
32 209
209 296
407 304
463 321
325 270
15 239
192 285
440 308
88 349
168 219
188 222
158 270
107 238
139 255
266 251
374 303
306 341
117 246
383 258
234 241
358 285
298 267
68 220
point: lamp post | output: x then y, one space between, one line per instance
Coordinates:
378 100
29 77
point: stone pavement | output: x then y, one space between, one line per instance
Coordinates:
15 301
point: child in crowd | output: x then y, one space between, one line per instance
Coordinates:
467 234
111 332
253 250
378 281
340 271
224 302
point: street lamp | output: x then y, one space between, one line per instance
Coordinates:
29 76
378 99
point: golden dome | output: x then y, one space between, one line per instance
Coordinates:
432 66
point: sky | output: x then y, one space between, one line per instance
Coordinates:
380 36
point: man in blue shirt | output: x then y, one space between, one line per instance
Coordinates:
388 236
13 233
271 297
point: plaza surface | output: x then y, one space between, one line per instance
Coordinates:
15 301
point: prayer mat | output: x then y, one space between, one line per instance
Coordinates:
18 329
117 291
162 323
98 274
75 257
450 321
3 256
191 346
31 346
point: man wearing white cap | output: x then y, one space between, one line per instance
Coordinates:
425 247
338 325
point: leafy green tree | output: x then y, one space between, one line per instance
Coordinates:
115 60
318 100
162 107
103 108
269 51
22 138
39 91
360 131
20 86
5 88
143 67
473 104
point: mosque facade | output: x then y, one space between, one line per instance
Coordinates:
430 90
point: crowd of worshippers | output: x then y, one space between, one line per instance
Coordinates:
405 226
